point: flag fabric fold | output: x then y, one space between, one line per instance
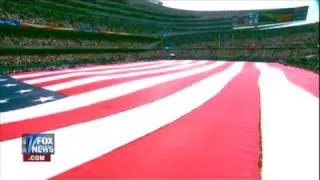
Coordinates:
163 119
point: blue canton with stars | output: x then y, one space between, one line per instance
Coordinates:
15 94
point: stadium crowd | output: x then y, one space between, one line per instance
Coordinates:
286 45
305 39
300 49
69 16
12 41
17 63
307 58
95 16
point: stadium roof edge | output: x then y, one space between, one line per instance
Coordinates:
194 12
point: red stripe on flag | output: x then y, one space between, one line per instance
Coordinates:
102 109
218 140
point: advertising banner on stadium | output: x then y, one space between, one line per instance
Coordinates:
111 32
275 18
59 27
53 25
9 22
65 29
47 27
33 25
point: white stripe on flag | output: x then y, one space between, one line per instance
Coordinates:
95 96
100 67
290 128
94 79
104 72
78 144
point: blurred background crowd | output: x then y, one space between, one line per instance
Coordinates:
294 45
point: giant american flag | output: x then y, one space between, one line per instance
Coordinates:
164 119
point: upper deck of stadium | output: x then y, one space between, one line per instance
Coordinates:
143 16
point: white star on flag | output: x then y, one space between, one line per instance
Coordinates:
10 85
44 99
22 91
2 101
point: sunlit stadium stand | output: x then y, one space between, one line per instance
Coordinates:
129 17
144 30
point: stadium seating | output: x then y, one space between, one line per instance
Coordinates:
11 41
103 15
95 27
